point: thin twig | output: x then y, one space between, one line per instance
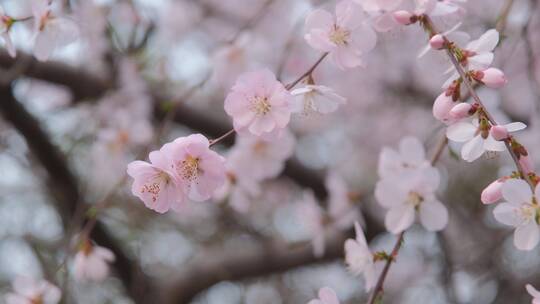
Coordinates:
307 73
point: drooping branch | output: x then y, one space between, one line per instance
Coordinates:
63 186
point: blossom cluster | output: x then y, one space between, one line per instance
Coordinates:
407 187
51 30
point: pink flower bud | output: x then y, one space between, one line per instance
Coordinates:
492 77
404 17
526 164
499 132
437 42
461 110
442 107
493 192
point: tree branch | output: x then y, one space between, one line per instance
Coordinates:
64 187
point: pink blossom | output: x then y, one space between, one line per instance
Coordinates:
359 258
321 223
51 31
239 192
258 103
381 13
520 210
155 183
410 156
312 215
340 202
477 141
316 99
199 170
92 263
30 291
326 296
346 37
410 193
255 158
534 293
460 111
491 77
493 192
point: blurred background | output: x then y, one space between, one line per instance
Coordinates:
144 72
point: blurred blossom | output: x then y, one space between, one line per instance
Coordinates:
262 294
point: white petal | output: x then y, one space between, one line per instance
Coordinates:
360 237
433 215
507 214
399 218
526 236
461 131
473 149
490 144
532 291
515 126
486 43
517 191
412 150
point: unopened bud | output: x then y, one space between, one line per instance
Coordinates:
437 42
460 111
499 132
404 17
493 192
492 77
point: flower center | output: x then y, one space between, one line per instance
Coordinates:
260 147
189 168
527 211
339 36
154 187
415 199
37 300
260 105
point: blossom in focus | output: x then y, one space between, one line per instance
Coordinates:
346 36
31 291
51 31
359 258
326 296
534 293
316 99
259 104
413 192
477 138
477 55
199 170
5 25
410 156
92 263
155 183
381 13
521 211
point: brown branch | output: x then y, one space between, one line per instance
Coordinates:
267 259
82 84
